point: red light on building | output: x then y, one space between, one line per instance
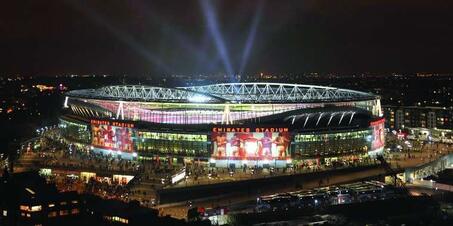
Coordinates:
377 122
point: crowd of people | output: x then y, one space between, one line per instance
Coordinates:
107 189
81 160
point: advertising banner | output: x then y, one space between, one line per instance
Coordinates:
112 137
250 145
378 134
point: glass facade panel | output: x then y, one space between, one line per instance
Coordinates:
75 131
153 143
332 144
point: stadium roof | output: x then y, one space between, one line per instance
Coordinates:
144 93
226 92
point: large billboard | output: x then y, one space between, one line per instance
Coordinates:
109 136
249 144
378 134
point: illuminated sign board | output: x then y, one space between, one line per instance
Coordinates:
378 139
86 176
179 176
122 179
244 143
115 136
112 123
248 129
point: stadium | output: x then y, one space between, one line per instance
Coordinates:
227 125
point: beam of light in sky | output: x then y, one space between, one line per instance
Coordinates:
211 22
251 37
170 31
211 62
185 43
120 35
212 65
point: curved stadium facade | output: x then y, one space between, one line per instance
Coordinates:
227 125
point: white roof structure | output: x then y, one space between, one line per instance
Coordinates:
227 92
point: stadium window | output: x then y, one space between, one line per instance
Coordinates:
52 214
120 219
36 208
24 208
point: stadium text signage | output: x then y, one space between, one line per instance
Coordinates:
109 123
248 130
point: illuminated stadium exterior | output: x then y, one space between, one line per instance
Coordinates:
227 125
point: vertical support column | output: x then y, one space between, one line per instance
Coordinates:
330 119
120 111
306 119
352 116
379 108
226 117
319 118
341 119
65 105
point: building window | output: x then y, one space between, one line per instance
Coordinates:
52 214
24 208
36 208
120 219
74 211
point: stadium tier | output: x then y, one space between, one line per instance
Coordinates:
227 125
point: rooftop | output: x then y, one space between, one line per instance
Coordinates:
226 93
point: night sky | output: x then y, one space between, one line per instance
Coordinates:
142 38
